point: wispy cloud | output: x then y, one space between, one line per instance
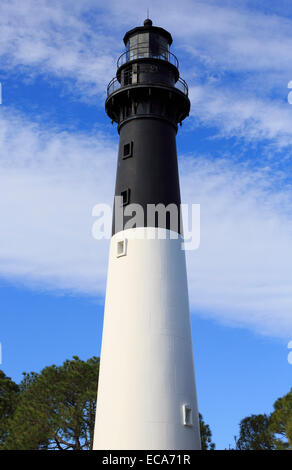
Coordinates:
249 117
50 181
236 57
54 39
237 62
241 273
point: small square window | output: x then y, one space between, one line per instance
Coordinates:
128 150
187 415
121 248
125 197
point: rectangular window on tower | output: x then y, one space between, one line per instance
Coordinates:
187 415
125 197
121 248
128 150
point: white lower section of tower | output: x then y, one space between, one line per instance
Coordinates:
146 393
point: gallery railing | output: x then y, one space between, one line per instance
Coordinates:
142 52
127 80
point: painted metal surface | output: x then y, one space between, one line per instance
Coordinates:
147 393
146 385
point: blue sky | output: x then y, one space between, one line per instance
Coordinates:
58 157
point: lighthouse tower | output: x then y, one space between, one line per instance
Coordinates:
147 393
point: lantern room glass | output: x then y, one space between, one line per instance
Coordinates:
143 45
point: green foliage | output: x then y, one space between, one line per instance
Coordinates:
8 400
206 435
56 409
281 421
255 434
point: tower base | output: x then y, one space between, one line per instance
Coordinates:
147 394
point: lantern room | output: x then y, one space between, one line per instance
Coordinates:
147 42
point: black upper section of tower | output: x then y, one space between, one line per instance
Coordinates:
147 67
147 98
148 27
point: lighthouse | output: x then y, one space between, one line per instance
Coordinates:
147 393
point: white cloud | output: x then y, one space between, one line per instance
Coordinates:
50 181
80 41
241 272
248 117
230 35
51 37
49 184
